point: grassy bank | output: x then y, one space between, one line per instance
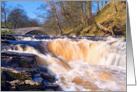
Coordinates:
107 17
7 32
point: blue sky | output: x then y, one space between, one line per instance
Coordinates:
31 7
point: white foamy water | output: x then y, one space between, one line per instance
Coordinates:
81 64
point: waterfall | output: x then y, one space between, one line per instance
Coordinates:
79 64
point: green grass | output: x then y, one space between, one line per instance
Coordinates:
108 17
8 25
7 32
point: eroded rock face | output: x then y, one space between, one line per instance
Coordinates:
20 72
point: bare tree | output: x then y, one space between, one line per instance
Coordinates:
97 6
56 17
82 12
115 6
4 11
18 18
101 3
33 23
89 9
65 13
105 2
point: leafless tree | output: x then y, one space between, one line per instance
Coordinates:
115 6
101 3
18 18
4 11
97 6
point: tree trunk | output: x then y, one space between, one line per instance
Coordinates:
101 3
85 13
89 10
97 6
15 26
64 13
56 17
102 28
5 20
82 13
115 6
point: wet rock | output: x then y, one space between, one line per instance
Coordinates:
52 86
8 74
17 80
5 86
48 77
31 72
19 59
20 72
43 69
30 82
28 85
7 37
5 42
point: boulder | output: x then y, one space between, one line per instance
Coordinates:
48 77
22 60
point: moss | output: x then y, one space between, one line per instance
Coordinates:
108 12
102 22
107 17
118 20
105 7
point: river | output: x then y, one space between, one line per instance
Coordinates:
78 63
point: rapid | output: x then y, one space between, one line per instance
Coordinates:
78 63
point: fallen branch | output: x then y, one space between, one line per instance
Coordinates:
104 29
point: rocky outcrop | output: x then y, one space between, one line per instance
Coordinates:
20 72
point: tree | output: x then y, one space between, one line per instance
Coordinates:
101 3
89 9
4 11
105 2
33 23
97 6
65 13
115 6
54 15
82 13
18 18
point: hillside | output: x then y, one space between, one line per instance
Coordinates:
107 17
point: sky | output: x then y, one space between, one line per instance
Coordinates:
31 7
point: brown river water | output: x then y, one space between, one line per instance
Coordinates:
79 63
